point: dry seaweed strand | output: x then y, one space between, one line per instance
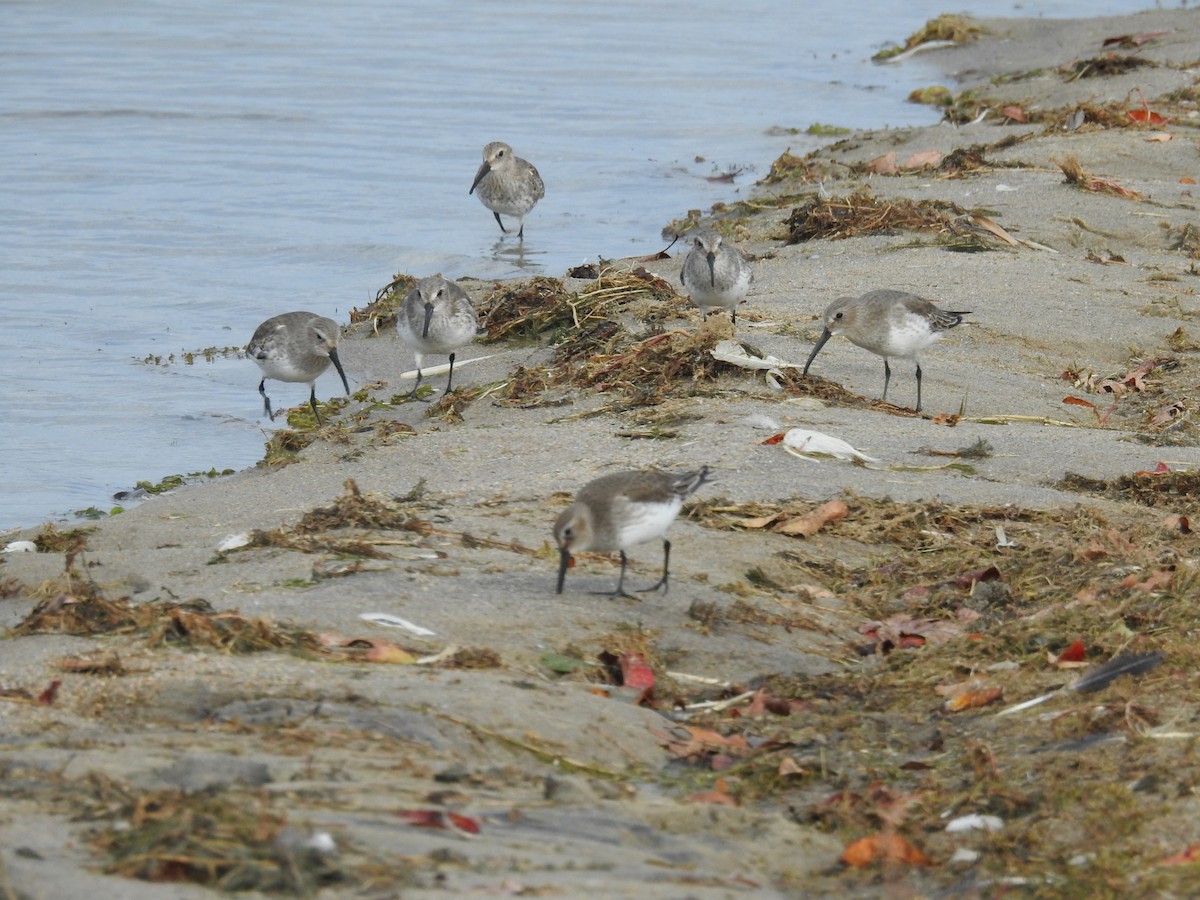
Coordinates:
1086 181
381 312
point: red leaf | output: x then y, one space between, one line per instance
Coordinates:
1015 113
1075 652
50 694
1079 401
1145 116
636 673
436 818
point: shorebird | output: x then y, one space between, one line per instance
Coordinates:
295 346
715 274
436 316
621 510
891 324
507 184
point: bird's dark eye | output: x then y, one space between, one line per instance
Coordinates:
839 315
568 533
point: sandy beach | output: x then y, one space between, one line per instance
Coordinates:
225 717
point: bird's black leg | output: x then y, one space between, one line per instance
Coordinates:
450 380
498 222
521 233
887 376
620 590
412 395
918 387
663 582
262 389
312 401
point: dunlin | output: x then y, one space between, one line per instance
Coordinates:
436 317
715 274
891 324
507 184
618 511
296 346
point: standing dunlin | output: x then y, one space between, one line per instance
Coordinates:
620 510
889 324
507 184
296 346
715 274
436 317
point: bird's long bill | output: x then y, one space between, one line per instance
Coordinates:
428 319
564 562
825 335
712 268
337 364
483 170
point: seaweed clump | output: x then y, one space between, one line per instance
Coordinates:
837 218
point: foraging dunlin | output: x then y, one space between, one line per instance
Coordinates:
891 324
715 274
436 317
295 346
620 510
507 184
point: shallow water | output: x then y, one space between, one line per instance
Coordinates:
174 176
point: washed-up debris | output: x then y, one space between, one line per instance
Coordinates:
390 621
1097 679
814 445
1086 181
226 841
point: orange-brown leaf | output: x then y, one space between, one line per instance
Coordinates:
809 524
884 165
974 699
883 848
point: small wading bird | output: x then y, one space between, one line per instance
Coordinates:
715 274
621 510
295 346
436 316
507 184
891 324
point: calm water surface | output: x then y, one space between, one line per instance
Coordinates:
173 176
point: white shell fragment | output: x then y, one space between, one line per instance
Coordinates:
233 541
811 444
21 547
431 371
735 354
391 621
975 822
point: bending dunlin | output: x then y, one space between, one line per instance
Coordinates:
296 346
715 274
436 317
507 184
620 510
891 324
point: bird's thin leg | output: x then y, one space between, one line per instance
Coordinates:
918 387
521 233
262 389
412 395
887 376
450 380
312 401
498 222
620 589
663 582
